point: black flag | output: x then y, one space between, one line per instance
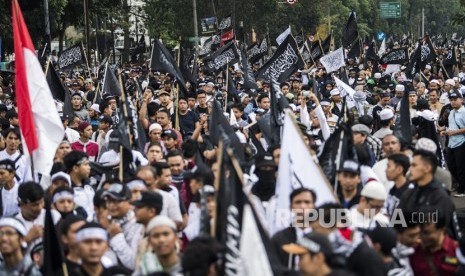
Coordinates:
225 24
186 72
337 148
277 105
55 84
139 49
305 52
285 61
222 57
350 31
326 44
317 50
54 261
221 129
355 51
161 60
371 52
110 82
395 56
249 78
256 51
71 57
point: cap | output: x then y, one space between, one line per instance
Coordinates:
14 223
374 190
334 92
155 126
159 221
118 191
244 96
434 81
106 119
61 175
170 133
455 94
428 66
325 102
313 242
76 94
82 126
7 164
265 159
377 75
136 184
95 107
400 87
422 104
450 82
162 92
365 120
386 114
150 199
426 144
351 166
361 129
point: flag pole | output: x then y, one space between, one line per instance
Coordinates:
87 62
216 184
227 86
47 65
176 125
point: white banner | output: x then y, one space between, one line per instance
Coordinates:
333 61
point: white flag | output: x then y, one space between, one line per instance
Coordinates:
334 60
344 88
392 68
297 168
382 48
253 253
283 35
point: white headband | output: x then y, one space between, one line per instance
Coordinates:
62 195
14 223
92 233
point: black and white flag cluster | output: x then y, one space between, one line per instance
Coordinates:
71 57
285 61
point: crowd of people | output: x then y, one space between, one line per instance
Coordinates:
397 197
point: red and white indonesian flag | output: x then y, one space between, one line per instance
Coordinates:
38 117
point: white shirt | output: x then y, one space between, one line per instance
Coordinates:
170 206
23 170
380 170
358 220
10 201
72 135
84 197
111 158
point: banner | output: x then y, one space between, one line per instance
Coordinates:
285 61
333 61
257 51
71 58
225 55
225 23
396 56
208 24
161 60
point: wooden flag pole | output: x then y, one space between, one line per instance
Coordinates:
120 169
176 106
227 86
87 61
46 66
216 184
